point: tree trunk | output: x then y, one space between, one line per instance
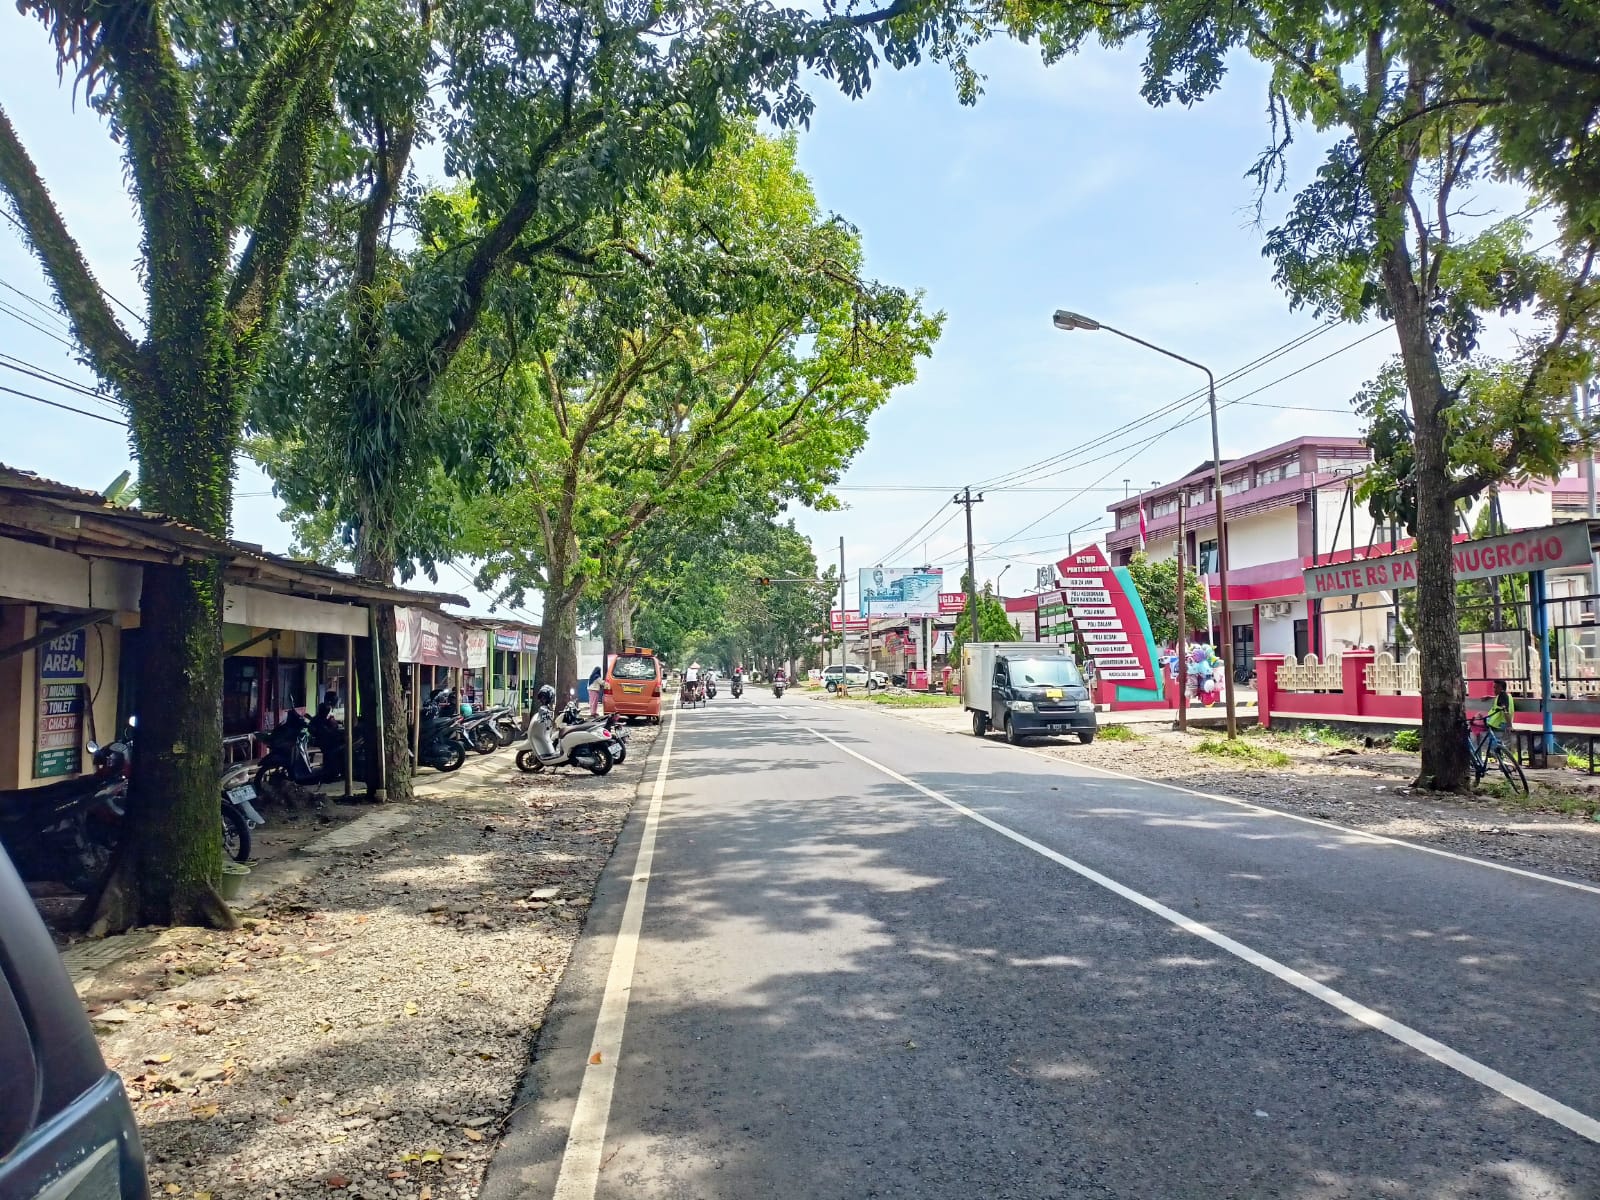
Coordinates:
167 868
557 663
616 629
1444 754
396 713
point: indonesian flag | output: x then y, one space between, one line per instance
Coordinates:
1141 525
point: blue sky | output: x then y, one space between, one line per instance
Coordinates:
1060 188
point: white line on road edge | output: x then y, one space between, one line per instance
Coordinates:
1318 822
1321 824
580 1163
1530 1098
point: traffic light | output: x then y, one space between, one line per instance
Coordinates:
763 581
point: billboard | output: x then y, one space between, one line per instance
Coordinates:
900 591
952 603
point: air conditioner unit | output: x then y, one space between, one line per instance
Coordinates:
1277 608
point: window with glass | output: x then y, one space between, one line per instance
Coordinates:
1239 483
1206 559
633 666
1125 519
1164 507
1199 495
1044 672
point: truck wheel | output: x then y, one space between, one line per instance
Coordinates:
1013 738
1086 736
980 723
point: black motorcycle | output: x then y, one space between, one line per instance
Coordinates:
442 742
66 832
738 687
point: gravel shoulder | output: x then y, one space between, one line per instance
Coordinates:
366 1032
1365 790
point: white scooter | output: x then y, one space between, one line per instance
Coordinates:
545 747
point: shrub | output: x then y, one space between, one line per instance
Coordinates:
1408 740
1245 753
1118 733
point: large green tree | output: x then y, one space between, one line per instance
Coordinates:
221 179
1381 232
720 340
556 117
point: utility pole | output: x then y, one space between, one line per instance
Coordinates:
965 498
1594 563
844 616
1182 650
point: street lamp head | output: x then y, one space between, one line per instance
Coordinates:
1071 320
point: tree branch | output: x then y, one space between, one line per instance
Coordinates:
114 353
301 60
1491 32
272 242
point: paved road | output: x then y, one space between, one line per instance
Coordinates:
877 960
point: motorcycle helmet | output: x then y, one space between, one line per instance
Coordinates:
546 695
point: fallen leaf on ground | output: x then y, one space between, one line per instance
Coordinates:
172 1189
411 1008
594 1059
157 1059
473 1135
337 1181
432 1156
426 1193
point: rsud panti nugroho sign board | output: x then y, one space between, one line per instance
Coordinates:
1564 545
1110 621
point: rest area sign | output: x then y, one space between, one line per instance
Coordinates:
1565 545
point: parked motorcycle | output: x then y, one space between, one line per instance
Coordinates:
614 724
507 729
442 741
480 731
68 831
548 745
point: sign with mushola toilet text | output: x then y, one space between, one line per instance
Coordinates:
1565 545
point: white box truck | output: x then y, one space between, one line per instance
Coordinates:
1024 689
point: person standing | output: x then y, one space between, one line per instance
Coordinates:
596 688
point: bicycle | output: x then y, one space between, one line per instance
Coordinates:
1490 750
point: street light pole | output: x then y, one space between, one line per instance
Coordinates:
1069 321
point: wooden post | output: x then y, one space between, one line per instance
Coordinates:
416 716
349 715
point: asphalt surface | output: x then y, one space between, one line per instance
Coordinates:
843 987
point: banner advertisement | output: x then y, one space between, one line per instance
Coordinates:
477 649
850 624
58 729
507 639
952 604
899 591
1565 545
429 639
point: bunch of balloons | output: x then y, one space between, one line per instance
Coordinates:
1205 673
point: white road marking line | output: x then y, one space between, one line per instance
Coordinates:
1256 806
580 1162
1535 1101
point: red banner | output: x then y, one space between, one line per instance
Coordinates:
851 624
951 603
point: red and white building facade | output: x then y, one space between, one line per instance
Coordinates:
1283 506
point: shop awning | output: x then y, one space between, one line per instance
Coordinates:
113 542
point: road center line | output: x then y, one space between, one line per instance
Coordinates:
1529 1098
580 1162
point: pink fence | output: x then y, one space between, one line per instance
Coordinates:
1356 701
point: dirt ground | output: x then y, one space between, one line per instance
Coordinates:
365 1033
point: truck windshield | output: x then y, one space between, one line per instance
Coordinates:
1044 672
